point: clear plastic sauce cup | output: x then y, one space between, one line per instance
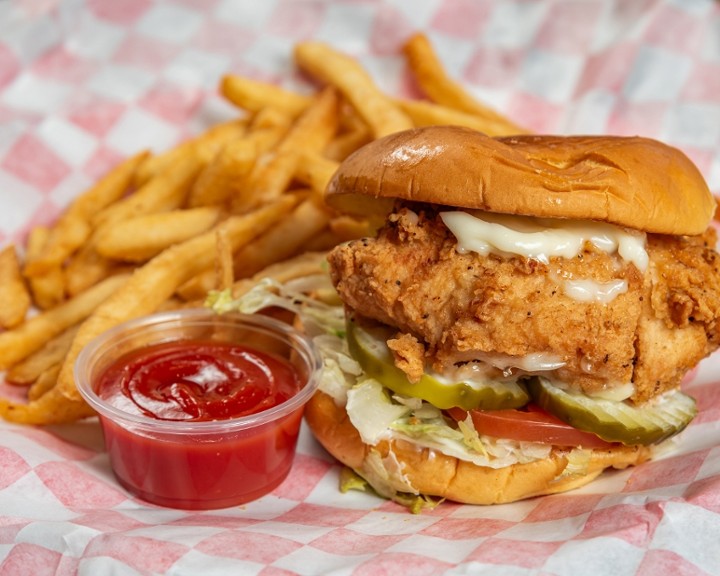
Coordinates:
193 430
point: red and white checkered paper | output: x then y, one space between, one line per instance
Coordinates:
84 83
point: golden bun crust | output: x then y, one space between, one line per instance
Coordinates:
629 181
435 474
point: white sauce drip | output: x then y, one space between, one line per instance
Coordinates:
541 238
592 291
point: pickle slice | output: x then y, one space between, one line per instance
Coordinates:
368 346
615 421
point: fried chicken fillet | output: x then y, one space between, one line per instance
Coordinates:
450 307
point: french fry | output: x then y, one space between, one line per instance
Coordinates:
271 118
269 179
324 241
74 227
348 228
267 137
204 146
254 96
49 406
315 171
311 132
440 88
284 240
425 113
48 289
339 70
224 261
212 140
30 336
45 382
166 191
220 179
340 229
172 303
14 296
315 127
143 237
52 353
346 143
197 287
227 174
263 98
86 269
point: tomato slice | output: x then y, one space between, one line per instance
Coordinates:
530 425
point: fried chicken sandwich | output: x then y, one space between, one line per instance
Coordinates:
524 317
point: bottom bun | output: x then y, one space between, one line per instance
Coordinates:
432 473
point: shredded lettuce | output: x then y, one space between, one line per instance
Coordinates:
316 315
416 503
578 462
351 480
470 435
371 411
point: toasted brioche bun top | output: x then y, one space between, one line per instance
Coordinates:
629 181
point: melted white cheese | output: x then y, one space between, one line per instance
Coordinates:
532 363
616 392
541 238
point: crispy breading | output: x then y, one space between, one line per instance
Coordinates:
408 353
467 306
679 323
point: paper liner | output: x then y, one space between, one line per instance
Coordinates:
84 84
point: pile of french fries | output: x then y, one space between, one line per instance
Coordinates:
241 201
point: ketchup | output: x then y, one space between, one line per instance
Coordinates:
198 381
203 383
